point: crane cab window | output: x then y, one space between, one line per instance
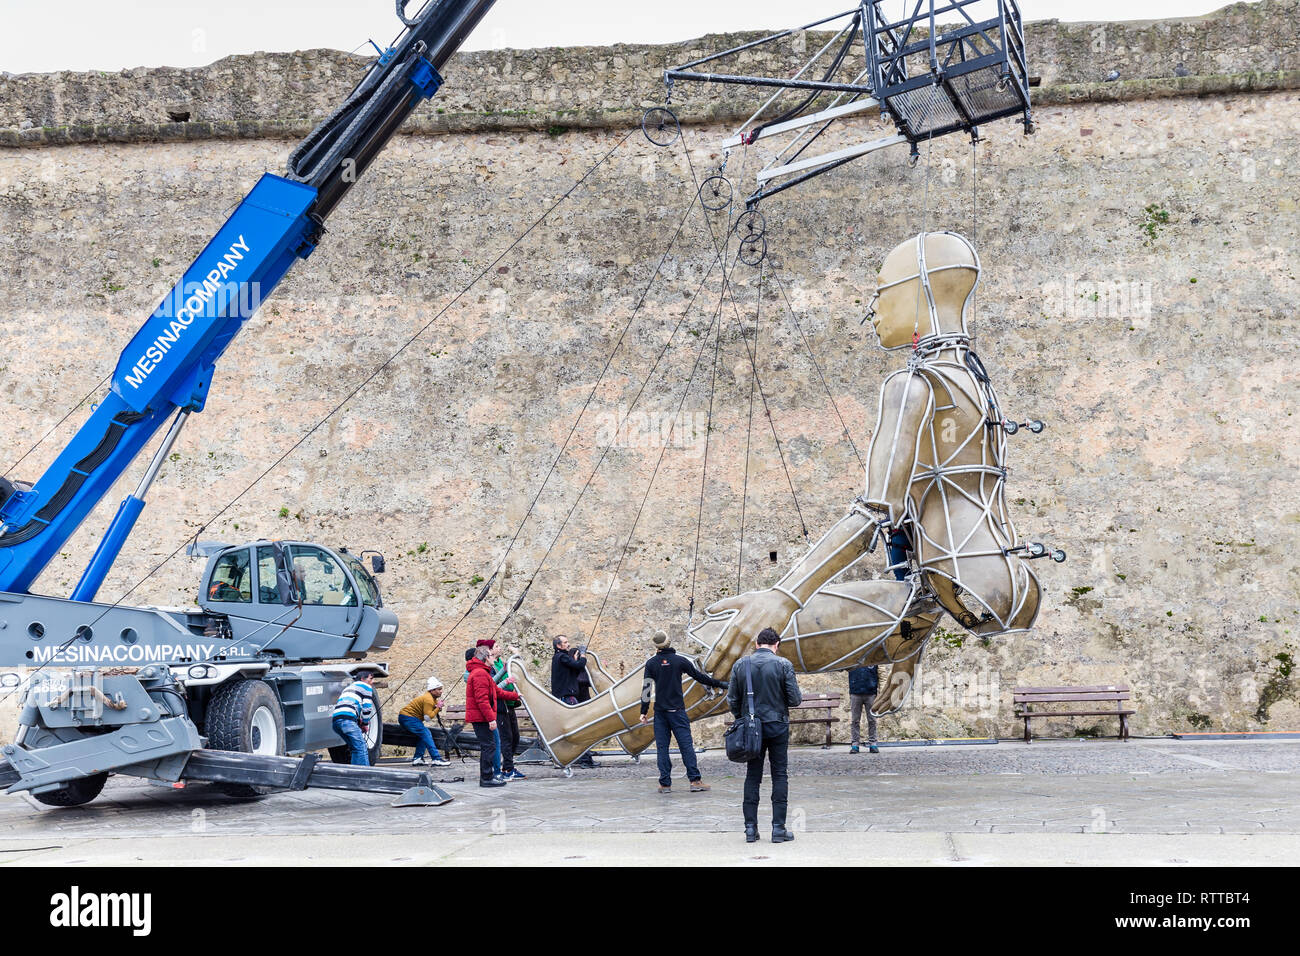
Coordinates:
267 592
322 578
365 583
232 580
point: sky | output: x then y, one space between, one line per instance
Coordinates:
117 34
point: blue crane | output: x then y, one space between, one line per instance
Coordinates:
281 627
166 370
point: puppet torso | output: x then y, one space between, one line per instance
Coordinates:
957 503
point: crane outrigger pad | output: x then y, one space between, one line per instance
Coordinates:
423 795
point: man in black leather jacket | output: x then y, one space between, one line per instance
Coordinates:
775 692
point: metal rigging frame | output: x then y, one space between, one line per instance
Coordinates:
929 80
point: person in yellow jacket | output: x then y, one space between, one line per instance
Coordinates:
412 718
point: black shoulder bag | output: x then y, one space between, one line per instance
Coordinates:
744 738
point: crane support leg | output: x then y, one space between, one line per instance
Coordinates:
220 766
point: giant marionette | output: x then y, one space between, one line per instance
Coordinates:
935 489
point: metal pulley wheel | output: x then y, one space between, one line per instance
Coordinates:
660 126
752 250
751 225
716 193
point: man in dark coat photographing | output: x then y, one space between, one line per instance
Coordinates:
565 667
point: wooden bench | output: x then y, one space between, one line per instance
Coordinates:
828 704
453 715
1092 699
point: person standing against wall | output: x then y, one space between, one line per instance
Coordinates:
863 683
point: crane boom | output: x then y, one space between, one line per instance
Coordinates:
166 369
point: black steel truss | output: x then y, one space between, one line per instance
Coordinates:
930 79
948 80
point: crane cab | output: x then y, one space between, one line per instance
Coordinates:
302 600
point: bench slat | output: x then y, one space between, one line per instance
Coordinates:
1066 698
1096 688
1076 713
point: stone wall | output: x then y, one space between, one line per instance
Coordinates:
1139 295
1247 46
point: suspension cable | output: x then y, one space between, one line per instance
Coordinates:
662 450
719 255
816 365
749 428
767 411
974 234
56 425
590 477
925 225
591 394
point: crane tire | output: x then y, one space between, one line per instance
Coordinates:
245 716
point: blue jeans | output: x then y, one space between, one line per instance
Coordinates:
897 555
423 739
496 753
350 731
669 724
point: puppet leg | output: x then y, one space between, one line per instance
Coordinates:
614 710
859 623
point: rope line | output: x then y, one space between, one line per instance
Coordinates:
55 426
816 365
974 234
767 411
663 449
591 394
925 225
749 428
704 471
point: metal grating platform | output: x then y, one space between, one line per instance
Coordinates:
936 79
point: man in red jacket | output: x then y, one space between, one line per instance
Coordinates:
481 696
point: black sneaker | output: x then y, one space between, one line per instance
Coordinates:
491 783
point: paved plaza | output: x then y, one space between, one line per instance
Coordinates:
1146 802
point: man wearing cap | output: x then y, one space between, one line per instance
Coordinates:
663 680
412 718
